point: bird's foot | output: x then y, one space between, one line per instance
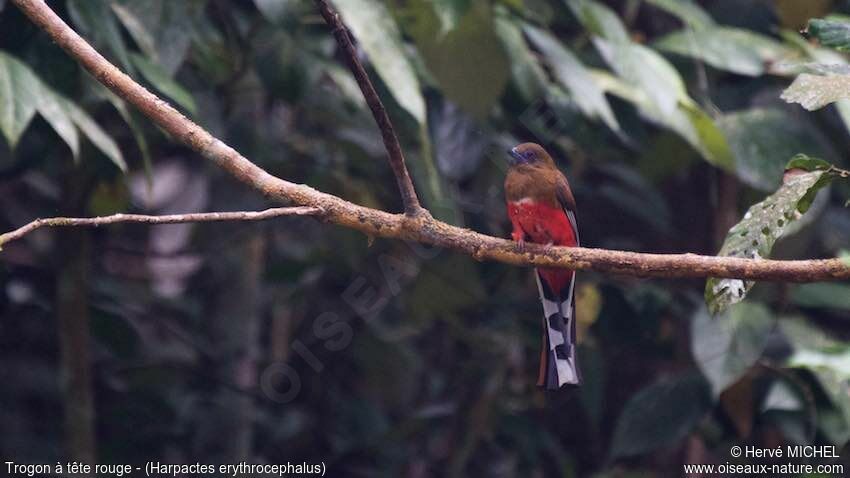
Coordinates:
520 245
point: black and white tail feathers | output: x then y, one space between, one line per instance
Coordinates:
559 364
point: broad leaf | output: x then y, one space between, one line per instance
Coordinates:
687 11
826 62
657 88
660 415
94 133
569 71
825 356
830 367
814 92
469 62
730 49
763 224
378 34
21 91
687 120
707 137
450 12
275 11
599 20
527 74
19 97
95 19
762 138
50 107
826 296
645 69
831 33
160 80
726 347
163 30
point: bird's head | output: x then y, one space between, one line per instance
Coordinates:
531 154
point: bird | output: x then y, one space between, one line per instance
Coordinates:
542 210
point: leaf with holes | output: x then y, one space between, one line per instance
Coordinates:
765 222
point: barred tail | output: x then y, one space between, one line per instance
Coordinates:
558 361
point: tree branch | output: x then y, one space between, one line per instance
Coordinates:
168 219
420 228
395 155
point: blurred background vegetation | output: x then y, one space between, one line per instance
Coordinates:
297 341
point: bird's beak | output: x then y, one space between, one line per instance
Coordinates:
515 156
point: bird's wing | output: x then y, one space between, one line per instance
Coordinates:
567 202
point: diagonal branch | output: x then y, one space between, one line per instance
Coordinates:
419 228
395 155
167 219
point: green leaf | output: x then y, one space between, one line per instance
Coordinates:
19 97
450 12
160 80
275 11
50 108
729 49
94 18
25 92
710 140
599 20
94 133
687 120
570 73
762 225
646 70
162 30
807 163
687 11
461 58
761 139
527 74
830 33
130 117
814 92
822 296
726 347
826 357
845 257
378 34
830 367
653 84
660 415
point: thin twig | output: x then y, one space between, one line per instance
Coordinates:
395 155
168 219
419 228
